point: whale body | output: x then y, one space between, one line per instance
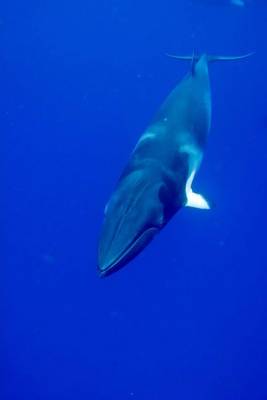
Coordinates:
157 181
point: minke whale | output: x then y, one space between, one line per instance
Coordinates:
157 181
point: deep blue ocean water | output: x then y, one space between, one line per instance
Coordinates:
187 319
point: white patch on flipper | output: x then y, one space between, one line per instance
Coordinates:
194 199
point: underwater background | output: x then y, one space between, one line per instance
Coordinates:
187 319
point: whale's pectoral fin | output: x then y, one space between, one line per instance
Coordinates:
195 200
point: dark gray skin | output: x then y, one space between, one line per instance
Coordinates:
156 183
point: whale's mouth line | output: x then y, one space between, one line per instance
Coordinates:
117 262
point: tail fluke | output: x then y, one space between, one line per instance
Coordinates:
211 58
229 58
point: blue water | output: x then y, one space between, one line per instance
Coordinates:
186 319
